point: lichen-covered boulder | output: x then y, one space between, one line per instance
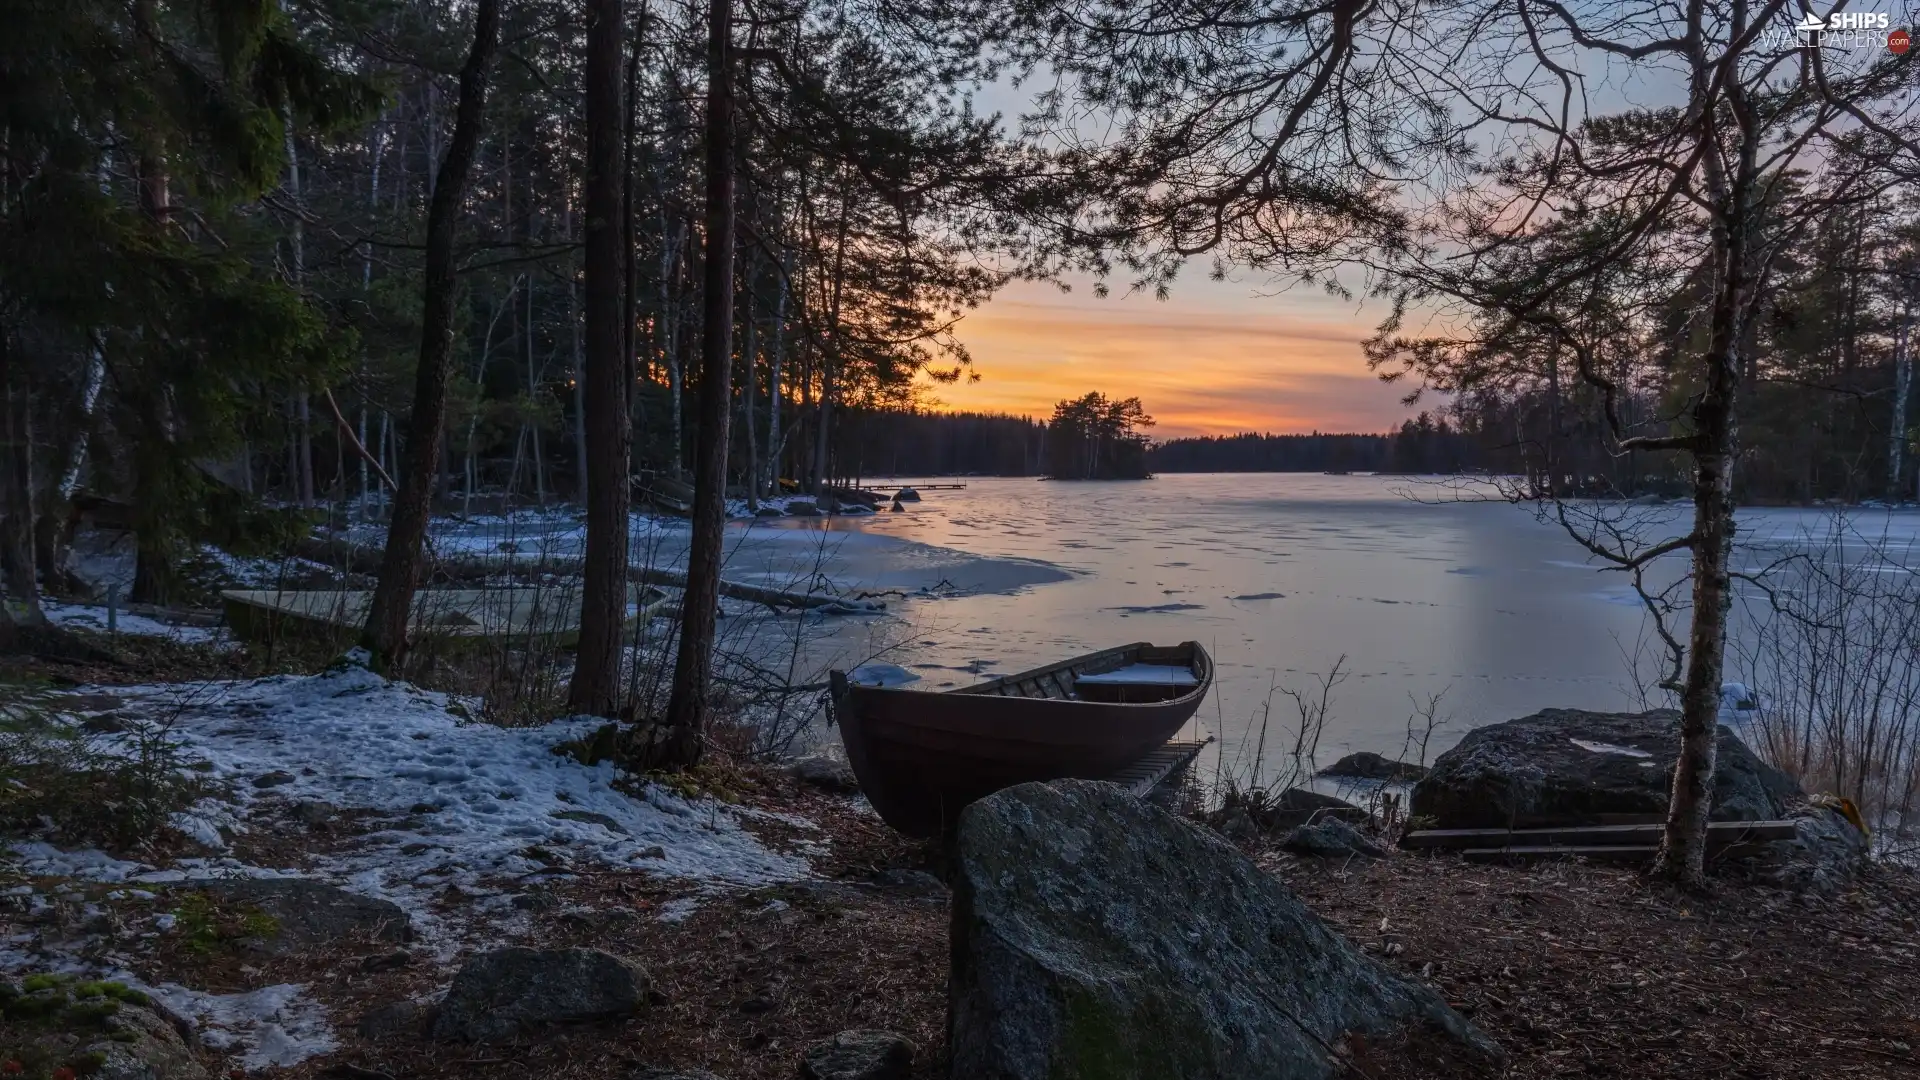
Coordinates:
1569 766
1095 936
507 992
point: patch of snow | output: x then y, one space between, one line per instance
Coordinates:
272 1026
463 801
1143 675
94 617
1609 748
39 859
882 675
199 830
679 909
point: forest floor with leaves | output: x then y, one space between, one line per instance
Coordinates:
1576 969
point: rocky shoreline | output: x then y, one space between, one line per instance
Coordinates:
1070 932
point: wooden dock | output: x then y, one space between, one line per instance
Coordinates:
1604 843
1157 766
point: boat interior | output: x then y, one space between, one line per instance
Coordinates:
1131 674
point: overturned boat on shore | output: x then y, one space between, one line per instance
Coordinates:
922 756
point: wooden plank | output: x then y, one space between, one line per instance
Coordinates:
1153 768
1613 853
1718 832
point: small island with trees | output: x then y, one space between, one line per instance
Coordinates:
1096 437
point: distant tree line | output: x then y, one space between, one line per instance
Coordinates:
878 442
1422 445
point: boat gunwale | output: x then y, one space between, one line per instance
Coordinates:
1197 657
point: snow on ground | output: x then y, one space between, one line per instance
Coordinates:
274 1025
467 800
464 805
94 617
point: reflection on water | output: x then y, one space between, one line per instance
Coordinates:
1280 575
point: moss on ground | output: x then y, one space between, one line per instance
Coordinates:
46 1015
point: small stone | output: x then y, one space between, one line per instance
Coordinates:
104 724
830 774
1330 838
591 818
859 1055
391 961
536 900
313 812
916 882
424 808
1367 765
654 852
415 848
273 779
395 1018
503 993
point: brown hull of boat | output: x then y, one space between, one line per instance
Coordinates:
922 757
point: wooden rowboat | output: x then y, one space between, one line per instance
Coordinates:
920 756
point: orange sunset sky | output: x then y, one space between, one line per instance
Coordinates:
1216 357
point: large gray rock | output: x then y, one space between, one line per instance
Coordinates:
500 994
1825 856
1572 767
307 913
859 1055
1367 765
1097 936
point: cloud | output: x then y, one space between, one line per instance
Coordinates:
1253 366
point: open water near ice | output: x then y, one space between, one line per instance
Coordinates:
1414 590
1281 576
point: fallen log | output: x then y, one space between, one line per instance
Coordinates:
1719 833
478 565
758 594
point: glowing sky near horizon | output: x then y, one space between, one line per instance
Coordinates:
1216 357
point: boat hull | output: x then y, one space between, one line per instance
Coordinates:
922 757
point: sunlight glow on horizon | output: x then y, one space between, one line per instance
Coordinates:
1240 363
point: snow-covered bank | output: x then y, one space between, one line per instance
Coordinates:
833 554
448 818
459 802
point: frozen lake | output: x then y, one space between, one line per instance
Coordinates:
1282 575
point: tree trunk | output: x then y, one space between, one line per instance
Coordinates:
385 635
774 444
1683 847
16 495
1902 390
830 359
579 382
89 400
687 707
749 360
603 592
